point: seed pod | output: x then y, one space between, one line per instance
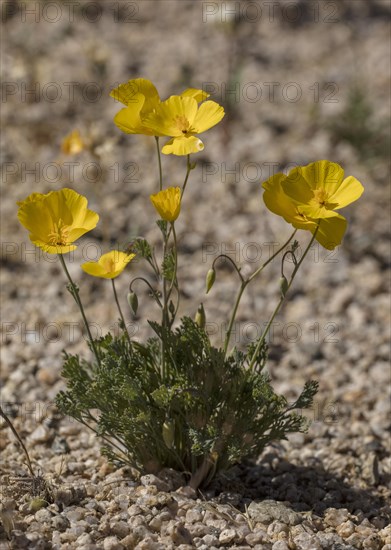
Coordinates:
133 301
200 317
283 285
210 279
168 433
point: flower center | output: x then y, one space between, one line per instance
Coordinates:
320 197
59 235
110 265
182 124
298 213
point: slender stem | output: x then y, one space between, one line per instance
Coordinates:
120 313
237 269
164 312
262 267
281 301
75 294
160 164
13 429
243 286
175 260
154 293
233 316
188 170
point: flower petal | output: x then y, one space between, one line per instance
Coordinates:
33 215
167 203
183 146
109 265
198 95
349 191
94 269
170 117
331 231
296 187
209 114
128 119
279 203
128 93
315 211
56 219
322 174
52 249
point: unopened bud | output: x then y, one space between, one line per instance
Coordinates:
200 317
37 503
283 286
133 301
168 433
210 279
171 308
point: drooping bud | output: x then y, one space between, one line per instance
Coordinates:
210 279
168 433
283 285
200 317
133 301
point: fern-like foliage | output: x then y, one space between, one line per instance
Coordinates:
178 402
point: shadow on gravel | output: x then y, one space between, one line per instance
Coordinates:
301 488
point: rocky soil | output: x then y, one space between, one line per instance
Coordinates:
329 62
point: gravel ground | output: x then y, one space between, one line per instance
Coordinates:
327 489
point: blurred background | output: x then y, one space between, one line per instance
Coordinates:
300 81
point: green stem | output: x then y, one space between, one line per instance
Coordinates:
14 431
75 294
188 170
281 301
160 164
120 313
175 260
243 286
233 316
164 313
154 293
262 267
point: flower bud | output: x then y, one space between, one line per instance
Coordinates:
200 317
133 301
168 433
171 308
210 279
283 285
36 504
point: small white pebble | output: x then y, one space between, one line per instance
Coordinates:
227 536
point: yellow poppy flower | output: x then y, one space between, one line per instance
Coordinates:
181 118
72 144
109 265
320 188
57 219
308 196
141 98
167 203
